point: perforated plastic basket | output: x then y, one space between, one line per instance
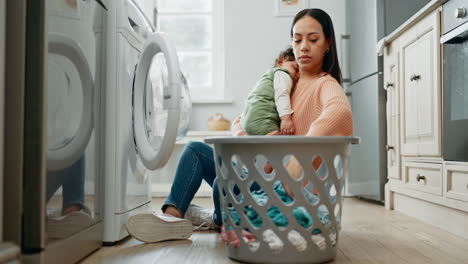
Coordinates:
296 226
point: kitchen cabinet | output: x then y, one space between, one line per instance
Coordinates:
455 181
420 88
418 177
424 177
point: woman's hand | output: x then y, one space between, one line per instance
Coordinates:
236 128
274 133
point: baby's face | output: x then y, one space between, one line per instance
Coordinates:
291 66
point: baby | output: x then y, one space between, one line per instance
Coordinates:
268 107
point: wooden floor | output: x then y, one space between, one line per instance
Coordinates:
370 234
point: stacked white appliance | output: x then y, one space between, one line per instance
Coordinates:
143 104
53 114
9 252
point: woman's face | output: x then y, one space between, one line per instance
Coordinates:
309 44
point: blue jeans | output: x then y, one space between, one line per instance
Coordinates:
195 164
72 181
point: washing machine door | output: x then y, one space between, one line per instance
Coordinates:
69 133
156 101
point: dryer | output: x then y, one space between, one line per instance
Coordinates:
143 102
61 127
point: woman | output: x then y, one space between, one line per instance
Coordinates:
320 109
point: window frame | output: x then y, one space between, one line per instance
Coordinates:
216 92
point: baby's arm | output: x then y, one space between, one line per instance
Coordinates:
283 84
287 125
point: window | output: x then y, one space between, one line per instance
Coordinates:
195 26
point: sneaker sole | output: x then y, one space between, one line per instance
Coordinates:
68 225
149 228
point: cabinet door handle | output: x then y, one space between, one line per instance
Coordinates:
420 177
389 84
387 147
415 77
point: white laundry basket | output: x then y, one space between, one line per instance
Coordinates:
301 228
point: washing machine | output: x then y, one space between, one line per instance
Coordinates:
62 151
143 111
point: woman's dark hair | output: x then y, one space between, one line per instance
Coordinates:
330 60
287 55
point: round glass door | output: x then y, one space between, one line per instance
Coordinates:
70 102
156 116
157 92
185 108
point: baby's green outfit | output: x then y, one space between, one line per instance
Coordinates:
260 115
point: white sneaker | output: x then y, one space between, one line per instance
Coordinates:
60 227
151 228
201 218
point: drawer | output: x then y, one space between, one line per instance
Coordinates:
456 182
424 177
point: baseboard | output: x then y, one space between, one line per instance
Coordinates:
449 219
362 189
162 190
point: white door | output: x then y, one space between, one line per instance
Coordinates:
409 98
70 99
156 101
429 91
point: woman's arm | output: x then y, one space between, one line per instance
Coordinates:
335 120
336 117
236 129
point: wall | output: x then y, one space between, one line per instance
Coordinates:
397 15
251 44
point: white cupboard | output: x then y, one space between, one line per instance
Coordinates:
418 177
421 89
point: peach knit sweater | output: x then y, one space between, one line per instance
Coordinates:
320 107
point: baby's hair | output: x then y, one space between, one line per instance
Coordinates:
287 55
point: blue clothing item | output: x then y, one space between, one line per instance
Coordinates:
195 164
72 181
300 213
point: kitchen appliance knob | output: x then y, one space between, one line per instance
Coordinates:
460 12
